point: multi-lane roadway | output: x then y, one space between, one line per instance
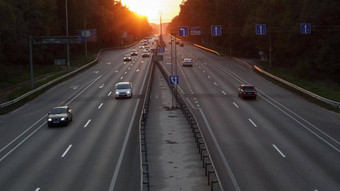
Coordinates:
96 151
277 142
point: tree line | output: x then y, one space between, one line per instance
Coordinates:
314 56
22 18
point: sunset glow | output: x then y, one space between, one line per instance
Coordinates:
152 8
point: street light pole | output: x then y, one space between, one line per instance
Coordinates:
68 46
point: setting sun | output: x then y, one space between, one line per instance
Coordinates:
152 8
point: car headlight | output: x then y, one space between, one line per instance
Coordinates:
128 92
49 119
117 93
63 118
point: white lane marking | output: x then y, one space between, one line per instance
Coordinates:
137 70
64 154
203 71
44 117
88 122
209 77
122 152
101 86
252 122
37 189
100 105
109 63
125 72
224 92
225 162
109 94
129 68
278 150
235 105
121 77
215 83
96 72
116 71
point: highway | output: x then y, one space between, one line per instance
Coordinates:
96 151
277 142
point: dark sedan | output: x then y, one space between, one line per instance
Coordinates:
61 115
247 91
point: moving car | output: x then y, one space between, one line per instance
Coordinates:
61 115
187 62
127 57
123 90
145 53
134 53
247 91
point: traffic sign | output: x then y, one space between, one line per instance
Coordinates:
216 30
305 28
89 35
56 39
195 30
161 49
183 31
261 29
173 80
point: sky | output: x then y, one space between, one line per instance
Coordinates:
152 8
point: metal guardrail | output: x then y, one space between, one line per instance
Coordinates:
325 100
203 150
144 166
2 105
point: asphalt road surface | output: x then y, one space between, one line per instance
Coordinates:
277 142
96 151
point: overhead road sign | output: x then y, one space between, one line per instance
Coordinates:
195 30
216 30
56 40
173 80
88 35
305 28
183 31
261 29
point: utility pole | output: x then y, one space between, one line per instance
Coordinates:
68 46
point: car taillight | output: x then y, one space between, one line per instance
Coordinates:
255 93
244 93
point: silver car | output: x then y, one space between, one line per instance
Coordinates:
123 90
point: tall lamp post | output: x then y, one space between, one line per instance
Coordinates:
68 46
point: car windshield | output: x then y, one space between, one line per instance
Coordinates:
249 88
123 86
58 110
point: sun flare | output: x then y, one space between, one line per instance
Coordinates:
152 8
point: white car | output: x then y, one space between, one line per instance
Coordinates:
187 62
127 57
123 90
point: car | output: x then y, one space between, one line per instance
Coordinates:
145 53
187 62
134 53
181 44
123 90
127 57
61 115
247 91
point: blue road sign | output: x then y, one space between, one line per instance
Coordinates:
305 28
261 29
183 31
161 49
89 35
195 30
216 30
173 80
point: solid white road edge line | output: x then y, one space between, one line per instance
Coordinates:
100 105
278 150
64 154
121 155
235 105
